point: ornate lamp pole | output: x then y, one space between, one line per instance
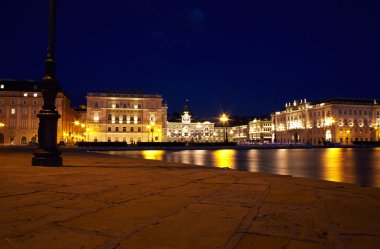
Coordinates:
224 119
47 153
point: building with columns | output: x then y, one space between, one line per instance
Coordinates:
188 131
337 120
260 130
20 102
125 117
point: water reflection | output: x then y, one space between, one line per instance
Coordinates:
224 158
281 158
332 169
360 166
152 154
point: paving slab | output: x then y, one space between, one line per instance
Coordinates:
108 202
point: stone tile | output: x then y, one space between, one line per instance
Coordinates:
291 194
54 238
236 194
224 179
22 220
252 241
31 199
353 214
363 242
127 216
291 221
197 226
296 244
192 190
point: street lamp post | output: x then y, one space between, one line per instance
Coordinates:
47 153
224 119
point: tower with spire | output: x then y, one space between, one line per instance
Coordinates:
186 117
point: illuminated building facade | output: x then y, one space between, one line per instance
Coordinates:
189 131
20 102
239 133
260 130
125 117
338 120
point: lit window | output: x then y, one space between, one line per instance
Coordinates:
2 86
25 95
35 95
96 118
13 111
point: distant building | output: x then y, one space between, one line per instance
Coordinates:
20 102
260 130
187 130
337 120
239 133
125 117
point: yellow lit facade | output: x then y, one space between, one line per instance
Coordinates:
336 120
20 102
260 130
188 131
125 117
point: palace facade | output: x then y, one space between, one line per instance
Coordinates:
124 117
188 131
260 130
337 120
20 102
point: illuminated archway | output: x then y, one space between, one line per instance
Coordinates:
328 135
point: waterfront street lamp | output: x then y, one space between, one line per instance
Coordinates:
48 153
224 120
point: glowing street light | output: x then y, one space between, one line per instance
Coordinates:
224 120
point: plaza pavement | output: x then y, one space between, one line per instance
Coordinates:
106 202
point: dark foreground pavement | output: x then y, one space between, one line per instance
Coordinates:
102 201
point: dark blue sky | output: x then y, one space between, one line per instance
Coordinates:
196 49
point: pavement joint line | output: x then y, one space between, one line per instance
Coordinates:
80 230
336 242
114 244
11 243
110 205
247 220
20 194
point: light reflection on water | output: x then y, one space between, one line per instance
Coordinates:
360 166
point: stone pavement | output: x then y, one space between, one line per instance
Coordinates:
106 202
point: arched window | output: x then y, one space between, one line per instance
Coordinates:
23 140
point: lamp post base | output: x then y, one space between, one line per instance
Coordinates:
47 159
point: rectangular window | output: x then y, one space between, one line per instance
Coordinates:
1 111
116 129
24 124
109 117
139 129
25 111
124 129
131 129
34 124
13 111
35 95
109 129
12 123
34 102
109 139
96 105
13 102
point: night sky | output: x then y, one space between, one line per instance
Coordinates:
197 50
